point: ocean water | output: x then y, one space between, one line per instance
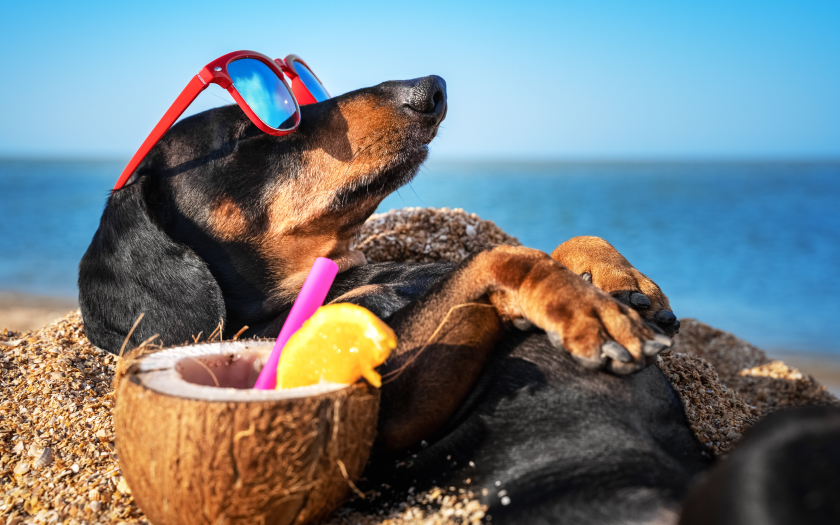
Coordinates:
753 248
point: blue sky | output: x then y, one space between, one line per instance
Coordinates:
526 80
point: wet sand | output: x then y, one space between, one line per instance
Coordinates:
22 312
824 368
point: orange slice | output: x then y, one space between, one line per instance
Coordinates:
340 343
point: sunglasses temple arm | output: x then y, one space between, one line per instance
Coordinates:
193 89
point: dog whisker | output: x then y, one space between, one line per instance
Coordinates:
416 195
401 198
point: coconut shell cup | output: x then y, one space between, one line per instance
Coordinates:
197 445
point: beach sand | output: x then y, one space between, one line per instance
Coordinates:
59 460
824 368
22 312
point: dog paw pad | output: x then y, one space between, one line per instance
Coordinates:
639 300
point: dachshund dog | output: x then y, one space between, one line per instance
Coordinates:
535 386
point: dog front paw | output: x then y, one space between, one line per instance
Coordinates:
603 334
598 331
596 261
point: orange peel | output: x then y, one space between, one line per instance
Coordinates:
340 343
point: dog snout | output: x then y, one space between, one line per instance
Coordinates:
427 95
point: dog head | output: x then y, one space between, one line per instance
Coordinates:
251 211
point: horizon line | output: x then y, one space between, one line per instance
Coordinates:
535 160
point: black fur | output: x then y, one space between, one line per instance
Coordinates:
786 470
133 266
563 443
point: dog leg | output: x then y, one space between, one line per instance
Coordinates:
447 334
598 262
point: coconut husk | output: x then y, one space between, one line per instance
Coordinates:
199 454
725 384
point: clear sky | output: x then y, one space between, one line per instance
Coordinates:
526 80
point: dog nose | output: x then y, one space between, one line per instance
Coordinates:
427 95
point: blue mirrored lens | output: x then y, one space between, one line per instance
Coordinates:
318 91
264 92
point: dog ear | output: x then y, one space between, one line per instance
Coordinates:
131 267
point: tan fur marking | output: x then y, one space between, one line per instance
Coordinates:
351 259
466 340
290 249
365 138
368 289
227 221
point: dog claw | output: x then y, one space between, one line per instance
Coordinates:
659 343
523 324
591 364
556 340
619 368
586 276
616 351
640 300
664 339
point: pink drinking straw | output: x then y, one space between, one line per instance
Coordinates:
310 298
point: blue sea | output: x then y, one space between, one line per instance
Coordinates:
753 248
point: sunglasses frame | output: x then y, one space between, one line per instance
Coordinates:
216 73
299 89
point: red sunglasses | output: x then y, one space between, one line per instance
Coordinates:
257 84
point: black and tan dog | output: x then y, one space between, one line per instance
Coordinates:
222 222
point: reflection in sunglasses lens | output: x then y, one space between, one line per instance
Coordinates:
316 88
264 92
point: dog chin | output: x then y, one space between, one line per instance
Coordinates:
399 167
387 178
404 167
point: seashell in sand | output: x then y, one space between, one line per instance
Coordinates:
122 486
44 459
94 495
35 450
22 468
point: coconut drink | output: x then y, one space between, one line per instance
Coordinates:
198 445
